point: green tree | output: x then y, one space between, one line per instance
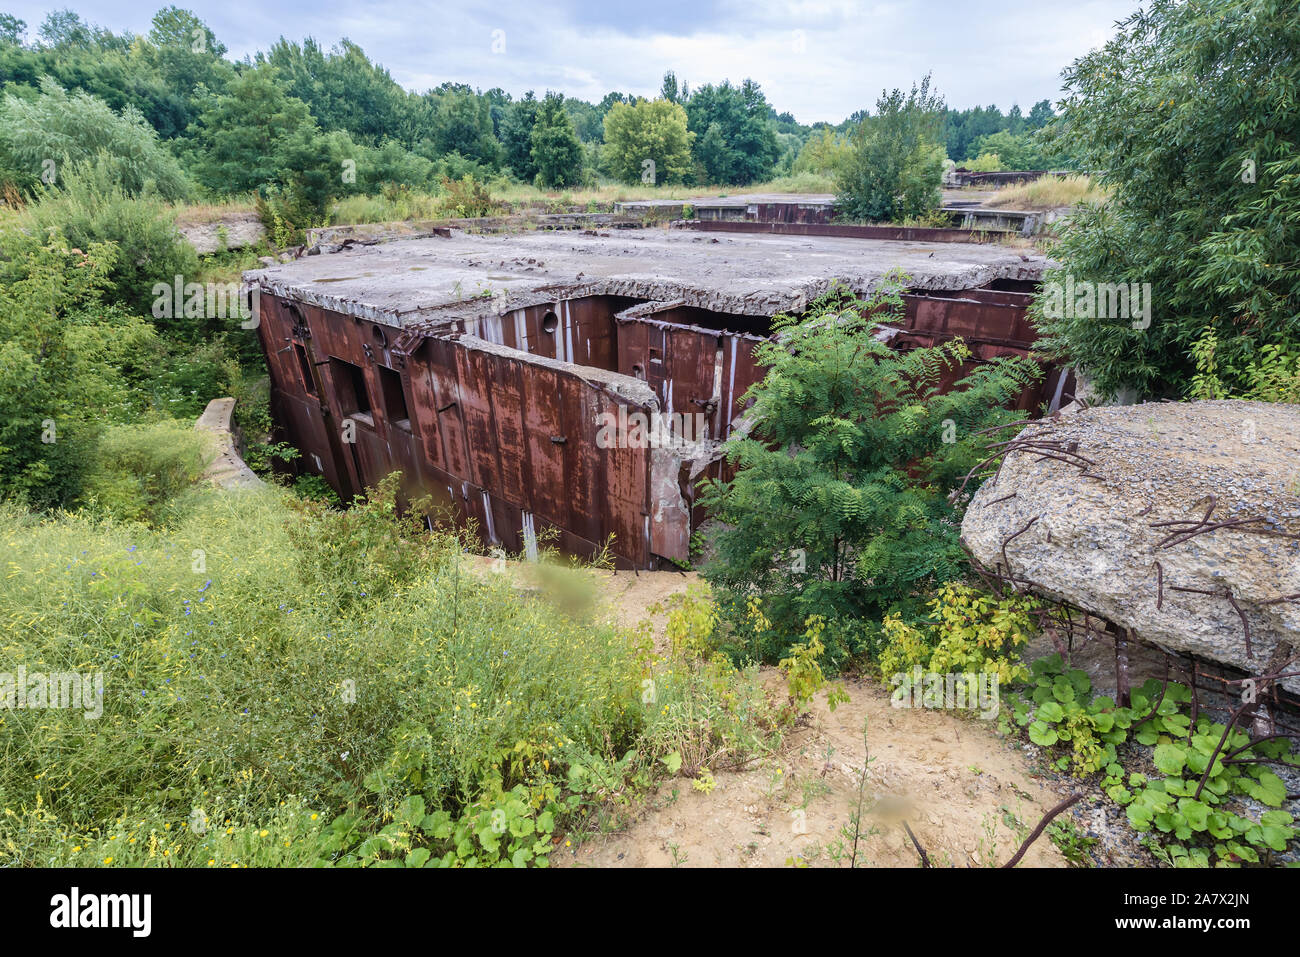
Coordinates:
343 89
1188 115
186 56
257 138
839 506
117 69
555 148
1017 150
517 137
58 380
653 130
669 89
896 164
11 29
42 134
734 141
825 151
462 124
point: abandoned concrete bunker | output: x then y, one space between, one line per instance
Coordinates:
509 377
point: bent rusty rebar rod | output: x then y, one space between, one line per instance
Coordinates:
925 858
1226 593
1047 819
1007 541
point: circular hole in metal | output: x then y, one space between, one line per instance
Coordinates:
549 322
638 372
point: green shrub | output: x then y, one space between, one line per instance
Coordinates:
139 468
839 506
966 630
65 359
89 207
466 197
1273 376
43 136
260 650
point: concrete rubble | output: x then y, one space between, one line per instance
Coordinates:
1177 521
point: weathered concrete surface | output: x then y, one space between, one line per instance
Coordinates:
227 469
423 280
1095 542
241 229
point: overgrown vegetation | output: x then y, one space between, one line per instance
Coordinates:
1181 780
286 684
966 630
1049 192
1204 183
839 506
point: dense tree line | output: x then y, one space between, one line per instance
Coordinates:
300 123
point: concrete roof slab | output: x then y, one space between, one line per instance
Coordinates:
418 280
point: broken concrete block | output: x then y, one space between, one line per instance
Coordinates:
1178 521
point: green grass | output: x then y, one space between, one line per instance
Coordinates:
1049 192
271 666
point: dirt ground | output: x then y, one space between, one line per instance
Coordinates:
968 797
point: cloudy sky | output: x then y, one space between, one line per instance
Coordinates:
818 59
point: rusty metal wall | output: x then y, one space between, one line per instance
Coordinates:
504 441
580 331
906 233
509 441
993 324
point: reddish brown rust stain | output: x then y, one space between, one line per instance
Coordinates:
509 442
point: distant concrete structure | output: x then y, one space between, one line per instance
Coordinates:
749 207
504 375
232 231
960 176
227 469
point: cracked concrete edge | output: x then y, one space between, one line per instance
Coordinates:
226 469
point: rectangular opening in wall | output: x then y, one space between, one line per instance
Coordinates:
350 381
304 365
394 398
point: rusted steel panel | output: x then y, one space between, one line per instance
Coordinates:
583 475
423 407
793 212
508 416
372 454
970 318
692 358
542 420
992 297
405 452
305 430
740 370
902 233
475 373
624 464
274 330
447 410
